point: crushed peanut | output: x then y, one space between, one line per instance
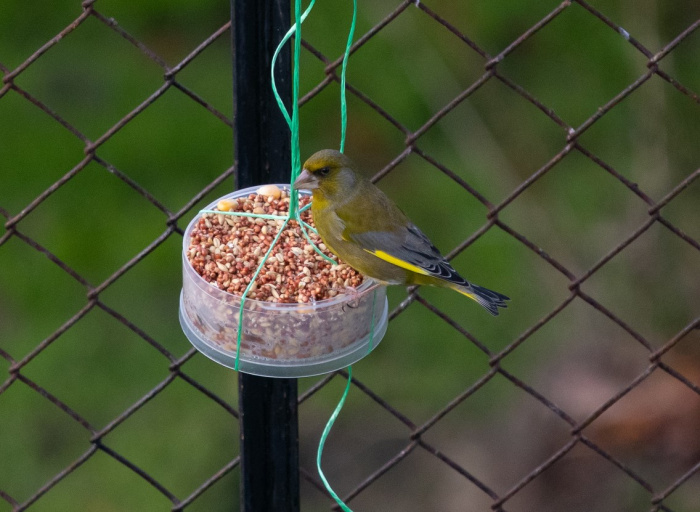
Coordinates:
226 250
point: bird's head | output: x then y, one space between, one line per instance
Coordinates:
329 172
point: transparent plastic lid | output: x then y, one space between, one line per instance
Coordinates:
280 340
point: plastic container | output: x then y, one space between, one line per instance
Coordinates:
280 340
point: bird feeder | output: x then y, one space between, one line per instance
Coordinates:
277 339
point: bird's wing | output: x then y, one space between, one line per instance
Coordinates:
408 248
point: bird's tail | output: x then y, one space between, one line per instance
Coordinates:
489 299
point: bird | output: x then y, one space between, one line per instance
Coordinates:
365 229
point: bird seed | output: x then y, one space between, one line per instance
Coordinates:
226 250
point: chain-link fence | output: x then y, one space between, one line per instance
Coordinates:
551 150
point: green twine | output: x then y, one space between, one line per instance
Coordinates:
296 169
294 211
326 431
335 415
248 288
246 214
343 103
293 120
293 123
260 215
296 152
371 325
286 37
339 407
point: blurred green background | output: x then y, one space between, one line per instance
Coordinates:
494 140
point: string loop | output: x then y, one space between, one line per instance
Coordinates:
294 211
321 443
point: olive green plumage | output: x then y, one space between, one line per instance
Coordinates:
363 227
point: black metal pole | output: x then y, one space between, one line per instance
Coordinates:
268 407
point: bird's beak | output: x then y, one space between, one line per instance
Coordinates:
306 181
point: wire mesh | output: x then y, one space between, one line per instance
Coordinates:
608 423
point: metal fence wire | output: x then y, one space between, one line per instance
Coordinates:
583 395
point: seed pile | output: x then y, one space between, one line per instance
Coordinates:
226 250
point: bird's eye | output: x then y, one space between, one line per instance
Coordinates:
323 171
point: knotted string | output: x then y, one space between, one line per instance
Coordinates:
294 211
296 169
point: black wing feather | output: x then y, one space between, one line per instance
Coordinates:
410 244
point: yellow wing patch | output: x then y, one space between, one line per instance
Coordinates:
398 262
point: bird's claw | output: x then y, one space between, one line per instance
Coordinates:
353 297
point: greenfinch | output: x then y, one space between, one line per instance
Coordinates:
364 228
